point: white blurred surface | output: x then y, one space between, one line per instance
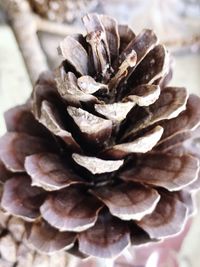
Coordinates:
187 72
15 86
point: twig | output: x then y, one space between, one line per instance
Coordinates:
55 28
182 43
25 28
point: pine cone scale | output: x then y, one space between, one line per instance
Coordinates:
175 172
48 239
168 218
110 233
49 172
14 149
141 44
21 199
71 210
129 201
73 51
170 104
157 60
186 122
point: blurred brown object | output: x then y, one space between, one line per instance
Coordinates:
63 10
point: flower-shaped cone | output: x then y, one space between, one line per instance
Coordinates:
96 159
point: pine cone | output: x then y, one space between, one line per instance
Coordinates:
62 10
91 159
15 252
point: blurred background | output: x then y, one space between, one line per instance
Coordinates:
30 31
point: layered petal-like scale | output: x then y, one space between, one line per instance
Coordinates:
107 238
102 155
47 239
21 199
48 171
164 170
128 201
167 219
71 210
15 147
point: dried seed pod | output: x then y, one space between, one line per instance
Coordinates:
100 150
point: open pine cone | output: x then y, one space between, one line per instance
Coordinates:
90 161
